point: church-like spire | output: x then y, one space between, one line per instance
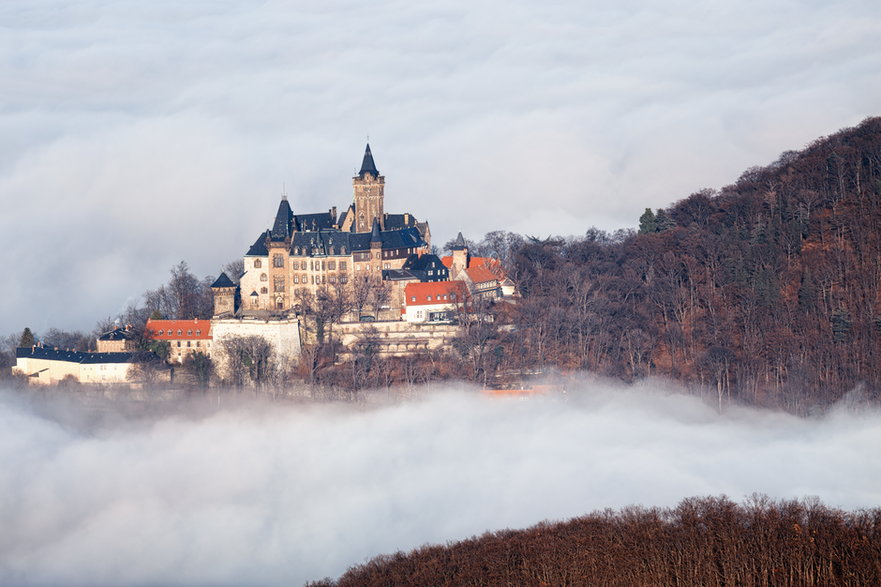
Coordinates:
459 244
281 228
367 164
376 233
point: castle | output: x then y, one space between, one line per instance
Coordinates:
310 254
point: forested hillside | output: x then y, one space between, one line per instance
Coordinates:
767 289
701 542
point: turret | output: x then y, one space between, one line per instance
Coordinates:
369 189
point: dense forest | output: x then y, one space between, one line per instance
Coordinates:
767 290
701 542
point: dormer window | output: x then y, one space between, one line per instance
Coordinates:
180 332
189 333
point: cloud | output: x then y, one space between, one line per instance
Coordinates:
233 492
579 113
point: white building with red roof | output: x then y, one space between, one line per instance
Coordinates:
433 301
184 336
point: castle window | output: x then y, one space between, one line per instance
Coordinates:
189 344
386 266
344 279
342 265
332 265
161 332
377 255
278 284
199 343
296 279
180 332
178 344
263 290
257 264
198 333
263 277
277 261
413 298
332 278
189 333
357 267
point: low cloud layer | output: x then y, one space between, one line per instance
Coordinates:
138 134
274 493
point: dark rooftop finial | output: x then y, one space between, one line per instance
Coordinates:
367 164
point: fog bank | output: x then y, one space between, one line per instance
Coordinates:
278 493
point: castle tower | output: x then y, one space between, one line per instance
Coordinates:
460 257
369 187
225 296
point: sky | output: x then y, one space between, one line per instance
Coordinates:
138 134
256 493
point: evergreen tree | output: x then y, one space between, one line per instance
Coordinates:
647 222
27 338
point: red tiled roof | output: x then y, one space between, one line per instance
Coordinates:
439 292
187 329
494 266
480 274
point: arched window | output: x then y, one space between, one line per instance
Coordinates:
263 277
263 290
257 264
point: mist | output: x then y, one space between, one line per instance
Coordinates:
253 492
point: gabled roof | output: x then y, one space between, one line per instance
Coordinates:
319 221
423 262
367 164
223 281
168 329
435 292
120 333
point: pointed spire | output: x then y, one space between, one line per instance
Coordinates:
376 233
367 164
281 228
459 244
223 281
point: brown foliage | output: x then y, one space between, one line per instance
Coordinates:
701 542
767 290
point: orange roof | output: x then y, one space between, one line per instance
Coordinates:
480 274
434 292
490 264
178 329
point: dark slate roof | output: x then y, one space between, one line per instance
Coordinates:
73 356
398 221
337 242
118 334
281 228
399 275
320 221
223 281
423 262
460 243
258 249
367 164
376 233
